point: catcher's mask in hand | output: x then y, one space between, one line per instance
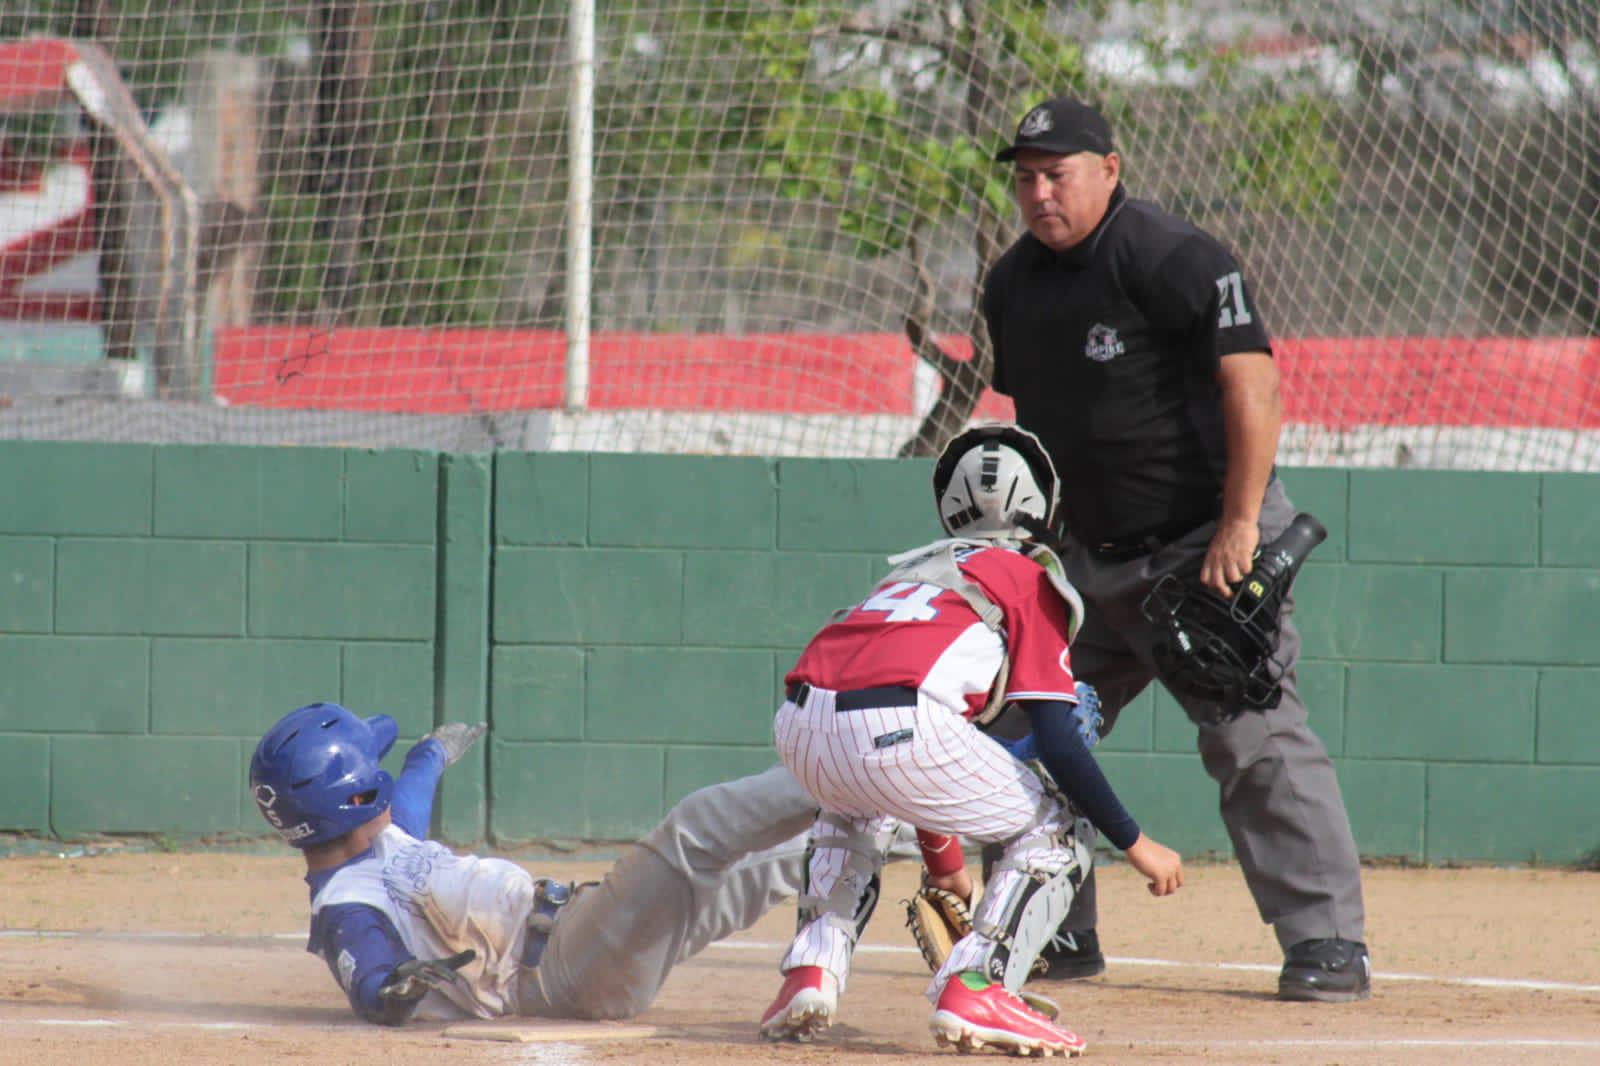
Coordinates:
1221 652
1202 651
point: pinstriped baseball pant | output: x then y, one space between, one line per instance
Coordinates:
925 765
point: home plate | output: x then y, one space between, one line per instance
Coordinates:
542 1031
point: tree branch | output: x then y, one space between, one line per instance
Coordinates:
961 381
862 25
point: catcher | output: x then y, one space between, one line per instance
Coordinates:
410 928
882 724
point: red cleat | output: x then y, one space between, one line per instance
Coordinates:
973 1013
804 1006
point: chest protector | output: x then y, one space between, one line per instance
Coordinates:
937 564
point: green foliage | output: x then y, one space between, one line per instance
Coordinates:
294 261
444 221
444 218
885 129
888 134
33 137
680 98
1287 158
900 160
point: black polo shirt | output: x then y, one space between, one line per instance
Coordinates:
1110 351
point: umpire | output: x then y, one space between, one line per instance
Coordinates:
1128 340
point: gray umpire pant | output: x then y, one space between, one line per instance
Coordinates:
1280 799
721 858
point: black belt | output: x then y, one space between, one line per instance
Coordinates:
1143 544
859 699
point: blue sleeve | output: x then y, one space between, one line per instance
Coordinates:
1064 754
411 806
362 948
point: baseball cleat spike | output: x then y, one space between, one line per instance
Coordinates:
804 1007
974 1013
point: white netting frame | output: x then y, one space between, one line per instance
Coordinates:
1416 180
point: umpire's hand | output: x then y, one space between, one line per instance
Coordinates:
1231 555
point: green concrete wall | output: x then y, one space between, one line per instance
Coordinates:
625 621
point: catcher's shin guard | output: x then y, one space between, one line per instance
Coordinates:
1022 907
837 900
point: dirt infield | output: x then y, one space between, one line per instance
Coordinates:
199 958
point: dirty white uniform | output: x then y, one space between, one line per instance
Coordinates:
410 898
718 861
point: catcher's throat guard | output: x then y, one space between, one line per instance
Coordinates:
1221 651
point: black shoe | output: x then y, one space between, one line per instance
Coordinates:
1070 956
1327 971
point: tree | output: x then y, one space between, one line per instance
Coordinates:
1501 99
893 114
398 186
414 169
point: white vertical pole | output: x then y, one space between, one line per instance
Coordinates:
580 202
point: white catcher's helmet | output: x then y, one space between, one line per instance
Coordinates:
989 477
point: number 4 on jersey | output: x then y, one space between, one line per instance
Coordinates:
904 601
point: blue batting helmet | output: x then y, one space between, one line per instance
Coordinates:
315 775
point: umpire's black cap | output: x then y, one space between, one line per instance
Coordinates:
1064 126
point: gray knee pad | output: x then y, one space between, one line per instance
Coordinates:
849 904
1023 907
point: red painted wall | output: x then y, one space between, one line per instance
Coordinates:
1330 381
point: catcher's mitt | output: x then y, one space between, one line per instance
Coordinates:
937 918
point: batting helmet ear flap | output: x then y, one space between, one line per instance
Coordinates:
995 480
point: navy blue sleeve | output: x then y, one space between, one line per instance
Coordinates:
362 948
1063 753
411 806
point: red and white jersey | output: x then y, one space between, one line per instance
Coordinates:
928 637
